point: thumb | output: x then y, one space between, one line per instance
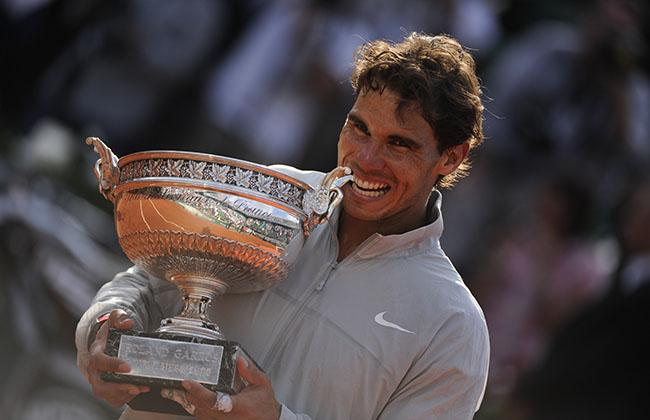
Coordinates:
250 373
120 319
101 337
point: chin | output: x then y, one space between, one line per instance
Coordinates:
365 214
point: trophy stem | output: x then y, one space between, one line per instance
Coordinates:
193 319
195 307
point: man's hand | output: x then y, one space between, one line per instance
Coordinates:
99 362
256 401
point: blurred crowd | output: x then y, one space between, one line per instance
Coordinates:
551 230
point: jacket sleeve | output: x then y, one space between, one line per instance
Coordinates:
448 380
147 300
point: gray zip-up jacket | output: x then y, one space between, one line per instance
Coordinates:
390 332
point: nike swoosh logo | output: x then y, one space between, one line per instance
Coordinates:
379 319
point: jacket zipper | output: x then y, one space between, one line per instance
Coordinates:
292 319
310 296
321 284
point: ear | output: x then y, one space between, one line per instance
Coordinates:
452 158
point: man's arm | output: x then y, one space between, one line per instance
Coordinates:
146 300
448 380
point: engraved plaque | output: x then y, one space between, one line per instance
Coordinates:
166 359
163 360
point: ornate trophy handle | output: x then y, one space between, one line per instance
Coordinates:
106 170
321 203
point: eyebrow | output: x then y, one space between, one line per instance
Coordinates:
355 118
352 116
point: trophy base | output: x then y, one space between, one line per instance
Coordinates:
163 359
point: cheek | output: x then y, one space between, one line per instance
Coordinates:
417 179
339 159
343 148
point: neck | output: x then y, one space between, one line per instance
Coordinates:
353 232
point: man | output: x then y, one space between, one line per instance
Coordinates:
374 321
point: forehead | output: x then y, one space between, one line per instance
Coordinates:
387 108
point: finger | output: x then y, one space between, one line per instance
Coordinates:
115 320
130 389
250 373
115 394
179 396
119 319
113 387
198 395
105 363
101 337
116 399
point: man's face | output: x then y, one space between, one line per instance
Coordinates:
394 159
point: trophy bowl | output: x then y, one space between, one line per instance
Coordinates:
210 225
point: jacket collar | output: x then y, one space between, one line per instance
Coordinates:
406 243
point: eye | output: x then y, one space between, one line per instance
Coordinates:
401 143
359 126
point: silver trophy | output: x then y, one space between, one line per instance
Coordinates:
210 225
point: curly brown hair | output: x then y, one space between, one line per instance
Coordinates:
438 75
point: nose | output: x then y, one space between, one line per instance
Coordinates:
370 156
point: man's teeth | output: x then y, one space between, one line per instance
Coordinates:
370 189
370 185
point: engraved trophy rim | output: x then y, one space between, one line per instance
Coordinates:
293 205
211 158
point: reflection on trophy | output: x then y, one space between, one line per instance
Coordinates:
210 225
